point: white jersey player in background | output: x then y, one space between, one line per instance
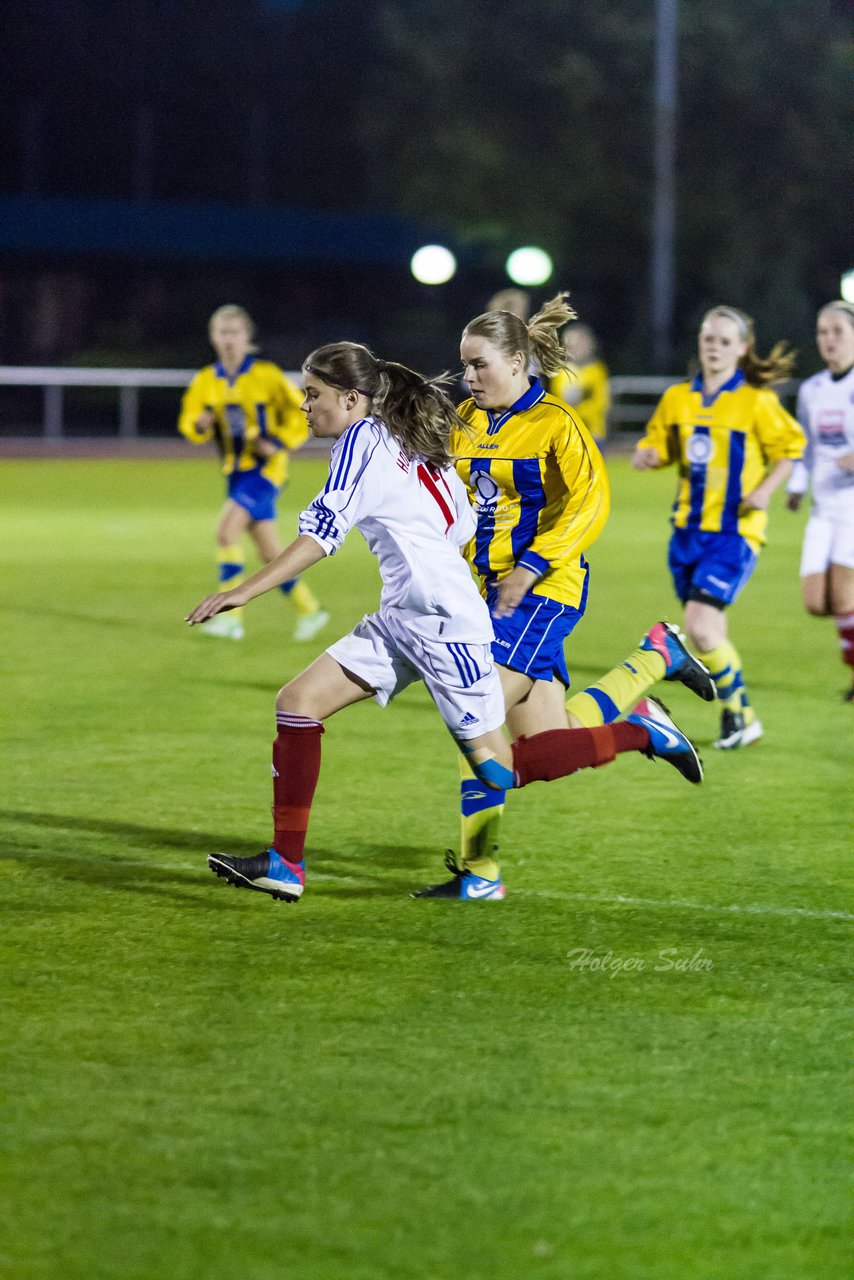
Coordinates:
826 413
391 476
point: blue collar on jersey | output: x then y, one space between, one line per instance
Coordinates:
245 364
732 384
532 396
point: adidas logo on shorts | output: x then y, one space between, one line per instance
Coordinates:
468 720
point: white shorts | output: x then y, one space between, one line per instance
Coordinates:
461 678
827 542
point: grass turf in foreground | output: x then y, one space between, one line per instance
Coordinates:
203 1083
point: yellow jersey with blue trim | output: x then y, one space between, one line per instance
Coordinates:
257 403
585 387
723 445
540 491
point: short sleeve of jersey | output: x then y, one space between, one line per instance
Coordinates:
662 433
192 405
353 491
779 434
290 425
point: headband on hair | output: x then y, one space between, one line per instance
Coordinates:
732 314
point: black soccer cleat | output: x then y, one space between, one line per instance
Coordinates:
267 872
666 740
667 639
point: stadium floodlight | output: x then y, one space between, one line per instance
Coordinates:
529 265
433 264
846 286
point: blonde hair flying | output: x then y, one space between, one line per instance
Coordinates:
777 366
539 338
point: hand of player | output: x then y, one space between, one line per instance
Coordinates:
220 602
645 459
793 501
205 420
755 501
264 448
845 462
511 591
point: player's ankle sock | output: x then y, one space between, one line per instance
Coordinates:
725 669
481 808
845 627
296 765
302 597
230 566
560 752
607 699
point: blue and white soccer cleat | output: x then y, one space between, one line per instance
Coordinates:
465 886
666 741
666 639
268 872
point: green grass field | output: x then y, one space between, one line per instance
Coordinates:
203 1084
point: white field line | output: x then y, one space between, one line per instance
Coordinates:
677 904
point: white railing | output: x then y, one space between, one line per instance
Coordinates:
128 382
632 398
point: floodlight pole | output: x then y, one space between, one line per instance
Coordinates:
664 193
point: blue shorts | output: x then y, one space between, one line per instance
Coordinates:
711 566
531 639
254 494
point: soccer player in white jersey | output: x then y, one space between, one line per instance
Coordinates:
826 413
392 477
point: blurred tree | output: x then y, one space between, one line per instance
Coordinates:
533 122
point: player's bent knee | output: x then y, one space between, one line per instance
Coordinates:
290 702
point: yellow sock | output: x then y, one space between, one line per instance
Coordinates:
480 818
618 691
231 568
304 599
725 669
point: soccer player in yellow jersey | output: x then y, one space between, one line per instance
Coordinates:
733 444
584 385
252 411
540 491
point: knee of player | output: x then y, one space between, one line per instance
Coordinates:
704 637
493 774
290 702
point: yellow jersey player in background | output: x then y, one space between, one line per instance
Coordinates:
734 444
252 412
584 384
540 491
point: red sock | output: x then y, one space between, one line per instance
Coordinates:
296 765
845 627
559 752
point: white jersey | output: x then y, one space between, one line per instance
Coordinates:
415 518
826 413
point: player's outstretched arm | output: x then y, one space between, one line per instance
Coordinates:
646 458
290 563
